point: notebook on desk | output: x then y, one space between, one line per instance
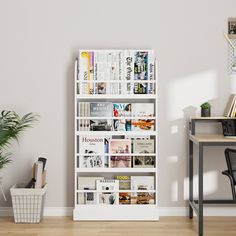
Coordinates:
229 128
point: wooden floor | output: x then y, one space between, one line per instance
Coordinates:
64 226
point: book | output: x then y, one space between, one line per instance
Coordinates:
230 106
38 170
143 146
122 110
87 183
101 109
145 110
92 150
142 183
110 195
124 182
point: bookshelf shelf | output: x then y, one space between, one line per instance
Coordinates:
116 97
116 170
115 118
118 191
120 154
135 122
119 133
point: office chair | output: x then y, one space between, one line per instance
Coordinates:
230 156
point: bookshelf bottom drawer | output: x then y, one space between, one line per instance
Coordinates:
129 212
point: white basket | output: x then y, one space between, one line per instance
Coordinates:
28 204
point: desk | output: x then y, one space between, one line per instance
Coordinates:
202 141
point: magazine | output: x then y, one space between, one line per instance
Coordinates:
143 146
120 162
124 198
119 146
92 152
143 110
122 110
86 71
101 109
127 88
142 183
108 66
124 182
140 72
110 195
142 198
87 183
100 69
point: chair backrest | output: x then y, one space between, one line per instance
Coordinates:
230 155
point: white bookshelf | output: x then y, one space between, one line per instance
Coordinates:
118 211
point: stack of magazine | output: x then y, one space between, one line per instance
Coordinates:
106 152
107 116
115 191
116 72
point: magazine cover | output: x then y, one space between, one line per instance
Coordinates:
142 198
151 71
107 184
87 183
108 198
127 88
101 109
86 71
111 196
142 183
122 110
140 71
119 146
120 162
143 110
92 149
108 66
124 182
124 198
143 146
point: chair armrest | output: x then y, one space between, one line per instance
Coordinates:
226 172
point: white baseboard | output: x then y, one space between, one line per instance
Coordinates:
164 211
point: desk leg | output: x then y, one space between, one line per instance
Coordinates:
200 191
190 178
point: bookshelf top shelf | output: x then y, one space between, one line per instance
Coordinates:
114 96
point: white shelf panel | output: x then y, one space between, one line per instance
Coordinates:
116 212
116 170
115 118
117 81
120 154
114 96
107 133
119 191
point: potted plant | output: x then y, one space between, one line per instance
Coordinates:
206 109
11 126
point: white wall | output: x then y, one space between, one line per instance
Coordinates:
39 41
